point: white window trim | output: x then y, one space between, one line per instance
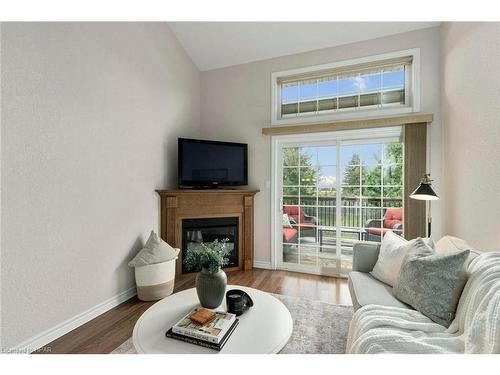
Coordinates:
413 93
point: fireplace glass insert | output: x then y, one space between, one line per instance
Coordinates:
196 231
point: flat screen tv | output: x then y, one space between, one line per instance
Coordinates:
208 164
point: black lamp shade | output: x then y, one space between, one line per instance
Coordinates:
424 192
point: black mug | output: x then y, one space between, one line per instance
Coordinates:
237 301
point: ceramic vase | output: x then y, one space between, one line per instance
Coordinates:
211 287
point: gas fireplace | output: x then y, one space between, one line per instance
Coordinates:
207 230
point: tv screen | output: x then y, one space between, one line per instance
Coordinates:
210 163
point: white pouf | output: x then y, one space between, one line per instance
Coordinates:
155 281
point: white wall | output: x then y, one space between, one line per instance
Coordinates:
236 105
90 118
471 123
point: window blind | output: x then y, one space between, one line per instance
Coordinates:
347 70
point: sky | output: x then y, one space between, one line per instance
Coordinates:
327 155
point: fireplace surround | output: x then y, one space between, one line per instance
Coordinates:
179 206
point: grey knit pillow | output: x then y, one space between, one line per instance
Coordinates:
432 283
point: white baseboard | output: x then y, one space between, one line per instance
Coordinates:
261 264
36 342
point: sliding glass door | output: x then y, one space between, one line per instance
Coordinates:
333 194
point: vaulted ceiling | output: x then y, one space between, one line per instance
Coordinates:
213 45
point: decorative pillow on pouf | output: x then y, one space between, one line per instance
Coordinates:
432 283
154 251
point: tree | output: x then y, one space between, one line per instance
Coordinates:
352 176
394 173
392 169
292 159
355 174
394 153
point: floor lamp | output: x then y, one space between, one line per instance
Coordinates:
424 192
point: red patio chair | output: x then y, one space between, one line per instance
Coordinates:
377 228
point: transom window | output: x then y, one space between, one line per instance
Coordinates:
344 92
346 89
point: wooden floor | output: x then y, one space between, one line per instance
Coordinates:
109 330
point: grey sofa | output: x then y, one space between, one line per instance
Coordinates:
363 287
383 324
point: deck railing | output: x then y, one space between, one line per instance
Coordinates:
355 211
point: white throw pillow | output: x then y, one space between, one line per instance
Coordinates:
154 251
392 252
449 243
286 221
390 257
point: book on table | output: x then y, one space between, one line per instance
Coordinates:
204 343
214 331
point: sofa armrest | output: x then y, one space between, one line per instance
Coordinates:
365 255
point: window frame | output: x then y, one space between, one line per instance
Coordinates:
412 91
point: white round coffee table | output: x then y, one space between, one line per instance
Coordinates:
264 328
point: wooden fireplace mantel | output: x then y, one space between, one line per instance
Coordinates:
177 205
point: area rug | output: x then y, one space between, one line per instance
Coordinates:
318 327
